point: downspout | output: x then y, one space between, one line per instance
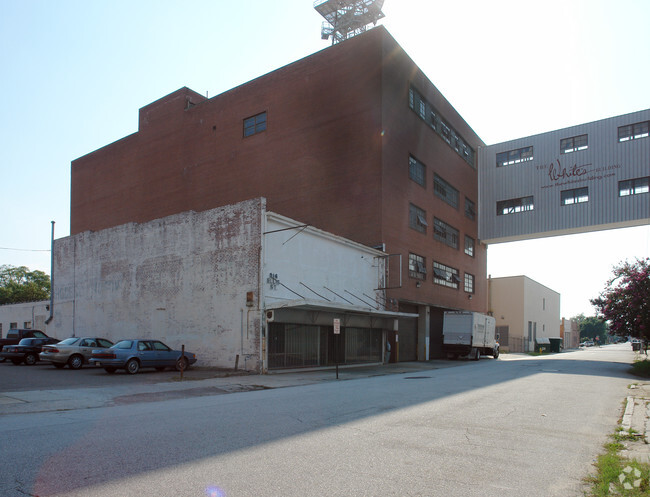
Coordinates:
49 319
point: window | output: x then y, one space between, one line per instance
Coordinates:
255 124
432 117
575 196
417 267
635 186
573 144
515 205
13 326
445 233
469 283
27 325
417 171
417 218
514 156
633 131
469 246
445 275
470 209
445 191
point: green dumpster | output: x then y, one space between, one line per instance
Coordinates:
556 344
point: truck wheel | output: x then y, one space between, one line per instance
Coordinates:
477 354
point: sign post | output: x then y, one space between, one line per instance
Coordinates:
337 334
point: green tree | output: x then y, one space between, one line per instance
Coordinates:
625 301
591 327
19 284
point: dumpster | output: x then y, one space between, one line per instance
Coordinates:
556 344
542 345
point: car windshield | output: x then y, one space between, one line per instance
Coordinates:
123 344
69 341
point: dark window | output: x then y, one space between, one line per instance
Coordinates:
445 275
573 144
575 196
517 156
445 233
469 283
470 209
445 191
635 186
255 124
515 205
633 131
432 117
417 171
417 267
469 246
417 218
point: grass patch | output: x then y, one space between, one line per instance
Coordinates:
615 475
641 368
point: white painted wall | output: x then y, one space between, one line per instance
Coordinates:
32 313
327 264
182 279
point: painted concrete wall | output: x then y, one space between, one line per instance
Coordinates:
182 279
518 300
25 315
599 167
310 264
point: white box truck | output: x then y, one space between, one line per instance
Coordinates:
469 334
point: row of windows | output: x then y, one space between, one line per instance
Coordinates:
628 132
442 189
626 188
442 274
432 117
442 231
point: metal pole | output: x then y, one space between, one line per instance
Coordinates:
51 278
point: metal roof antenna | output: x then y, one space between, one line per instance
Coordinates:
347 18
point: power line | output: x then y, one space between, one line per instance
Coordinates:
24 250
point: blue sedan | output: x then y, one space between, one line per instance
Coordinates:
135 354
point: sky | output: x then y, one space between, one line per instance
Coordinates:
75 73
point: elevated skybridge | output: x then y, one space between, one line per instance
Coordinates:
347 18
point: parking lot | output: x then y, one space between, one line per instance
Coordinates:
44 376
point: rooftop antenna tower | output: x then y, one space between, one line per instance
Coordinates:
347 18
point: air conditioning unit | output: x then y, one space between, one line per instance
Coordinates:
270 316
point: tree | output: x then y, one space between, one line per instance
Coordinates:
19 284
625 301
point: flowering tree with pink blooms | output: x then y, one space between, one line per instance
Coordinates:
625 301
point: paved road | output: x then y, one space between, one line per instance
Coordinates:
517 426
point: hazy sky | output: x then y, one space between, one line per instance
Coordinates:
75 73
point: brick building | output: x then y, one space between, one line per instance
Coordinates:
354 140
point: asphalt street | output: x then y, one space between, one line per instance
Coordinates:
516 426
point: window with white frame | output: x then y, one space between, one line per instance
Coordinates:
516 156
574 196
417 266
634 131
417 218
515 205
445 233
573 144
469 283
635 186
469 246
445 275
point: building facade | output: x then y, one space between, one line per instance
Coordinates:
525 312
28 315
588 177
354 140
237 285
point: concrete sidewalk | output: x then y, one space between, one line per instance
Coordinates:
636 422
196 382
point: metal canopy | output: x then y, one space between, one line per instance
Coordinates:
347 18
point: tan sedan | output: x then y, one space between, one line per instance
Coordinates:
73 351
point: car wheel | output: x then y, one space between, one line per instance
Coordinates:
58 365
75 361
133 366
30 359
17 361
109 370
182 364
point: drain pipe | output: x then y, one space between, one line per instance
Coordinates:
49 320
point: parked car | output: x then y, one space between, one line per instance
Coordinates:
16 335
26 351
135 354
73 351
